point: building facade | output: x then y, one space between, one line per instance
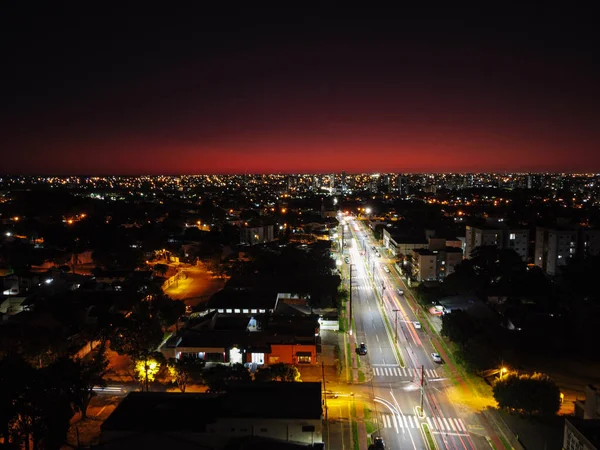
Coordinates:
435 265
284 413
554 248
590 407
500 237
256 235
398 245
479 237
581 434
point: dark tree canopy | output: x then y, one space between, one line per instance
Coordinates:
529 394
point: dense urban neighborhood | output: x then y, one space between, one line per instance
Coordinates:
284 311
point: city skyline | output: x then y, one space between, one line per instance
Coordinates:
292 91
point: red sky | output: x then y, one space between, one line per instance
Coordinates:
291 92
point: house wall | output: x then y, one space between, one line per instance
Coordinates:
217 434
285 353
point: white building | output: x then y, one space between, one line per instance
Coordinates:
256 235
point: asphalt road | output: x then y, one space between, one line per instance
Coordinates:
396 380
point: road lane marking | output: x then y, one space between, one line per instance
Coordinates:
452 424
446 423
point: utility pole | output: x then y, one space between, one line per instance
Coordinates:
350 303
396 311
422 388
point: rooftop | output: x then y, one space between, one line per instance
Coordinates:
171 411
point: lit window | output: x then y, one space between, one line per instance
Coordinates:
245 311
229 311
513 236
304 359
237 311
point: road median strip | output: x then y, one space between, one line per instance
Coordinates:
431 444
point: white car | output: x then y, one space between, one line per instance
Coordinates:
436 358
386 268
417 325
400 292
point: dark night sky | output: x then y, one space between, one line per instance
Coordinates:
320 90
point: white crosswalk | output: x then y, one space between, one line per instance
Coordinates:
403 372
446 424
435 423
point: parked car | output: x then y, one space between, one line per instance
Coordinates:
347 260
400 292
436 358
362 349
378 443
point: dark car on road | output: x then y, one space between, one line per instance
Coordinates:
362 349
378 443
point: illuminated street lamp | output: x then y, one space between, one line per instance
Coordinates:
503 370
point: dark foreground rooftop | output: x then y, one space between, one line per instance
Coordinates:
169 411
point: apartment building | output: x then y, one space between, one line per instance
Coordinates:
398 243
554 247
256 235
581 434
497 236
433 265
589 408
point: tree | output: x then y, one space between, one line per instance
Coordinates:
35 407
529 394
138 337
458 327
218 377
167 310
278 372
147 367
15 375
79 377
180 371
